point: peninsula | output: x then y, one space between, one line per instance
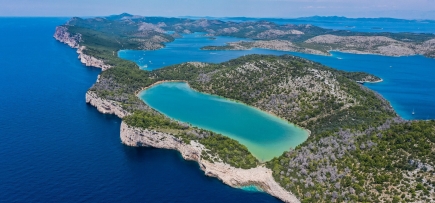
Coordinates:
359 149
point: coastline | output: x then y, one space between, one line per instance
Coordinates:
235 177
369 53
377 81
260 176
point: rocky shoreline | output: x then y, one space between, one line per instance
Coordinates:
279 45
234 177
378 45
61 34
260 176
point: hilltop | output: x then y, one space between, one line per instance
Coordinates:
138 32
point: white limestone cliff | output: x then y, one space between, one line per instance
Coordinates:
234 177
61 34
105 106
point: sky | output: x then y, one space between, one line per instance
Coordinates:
407 9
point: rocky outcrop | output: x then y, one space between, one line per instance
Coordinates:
64 36
280 45
105 106
270 34
235 177
372 45
90 60
73 41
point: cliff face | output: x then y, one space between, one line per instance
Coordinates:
235 177
105 106
73 41
64 36
90 60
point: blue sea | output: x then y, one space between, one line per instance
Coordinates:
56 148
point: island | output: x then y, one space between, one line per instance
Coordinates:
359 149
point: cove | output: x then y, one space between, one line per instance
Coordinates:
266 136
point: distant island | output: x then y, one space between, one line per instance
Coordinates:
359 149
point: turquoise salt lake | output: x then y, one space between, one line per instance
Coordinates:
265 135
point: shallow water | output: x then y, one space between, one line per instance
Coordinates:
266 136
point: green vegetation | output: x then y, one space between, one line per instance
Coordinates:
389 164
145 119
219 147
230 151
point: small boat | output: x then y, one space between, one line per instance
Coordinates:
339 58
413 112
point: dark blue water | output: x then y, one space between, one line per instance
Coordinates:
409 82
55 148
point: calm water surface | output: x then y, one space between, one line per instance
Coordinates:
266 136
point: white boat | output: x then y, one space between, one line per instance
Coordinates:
413 112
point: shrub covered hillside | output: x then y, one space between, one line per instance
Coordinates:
301 91
393 162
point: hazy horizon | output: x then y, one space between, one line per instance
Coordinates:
190 16
401 9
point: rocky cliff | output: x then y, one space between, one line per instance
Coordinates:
90 60
235 177
105 106
64 36
73 41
